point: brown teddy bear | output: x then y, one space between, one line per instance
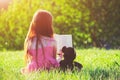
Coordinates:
68 63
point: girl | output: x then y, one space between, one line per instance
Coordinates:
40 46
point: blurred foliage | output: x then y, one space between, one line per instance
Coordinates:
91 22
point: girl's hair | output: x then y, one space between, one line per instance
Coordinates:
41 25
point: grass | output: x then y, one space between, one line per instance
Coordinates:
98 64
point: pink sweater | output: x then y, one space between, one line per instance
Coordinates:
46 60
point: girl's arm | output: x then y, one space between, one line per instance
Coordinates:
54 51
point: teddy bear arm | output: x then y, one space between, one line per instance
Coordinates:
78 65
63 65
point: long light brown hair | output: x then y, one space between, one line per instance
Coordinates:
41 25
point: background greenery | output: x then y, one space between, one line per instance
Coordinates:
98 64
93 23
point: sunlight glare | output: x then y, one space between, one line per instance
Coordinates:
4 3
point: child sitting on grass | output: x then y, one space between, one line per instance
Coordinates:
40 46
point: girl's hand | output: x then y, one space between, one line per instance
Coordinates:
60 56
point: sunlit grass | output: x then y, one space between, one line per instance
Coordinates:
97 65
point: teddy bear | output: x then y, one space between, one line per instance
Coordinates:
68 62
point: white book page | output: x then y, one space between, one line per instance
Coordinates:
63 40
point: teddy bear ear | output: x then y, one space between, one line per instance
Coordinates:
63 49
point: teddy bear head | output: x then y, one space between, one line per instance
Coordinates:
69 53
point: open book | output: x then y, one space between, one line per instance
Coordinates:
63 40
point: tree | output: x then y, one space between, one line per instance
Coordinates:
105 14
91 22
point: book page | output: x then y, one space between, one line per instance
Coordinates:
63 40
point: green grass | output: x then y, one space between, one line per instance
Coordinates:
97 65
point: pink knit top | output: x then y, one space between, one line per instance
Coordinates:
45 59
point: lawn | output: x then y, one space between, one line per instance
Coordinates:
98 64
